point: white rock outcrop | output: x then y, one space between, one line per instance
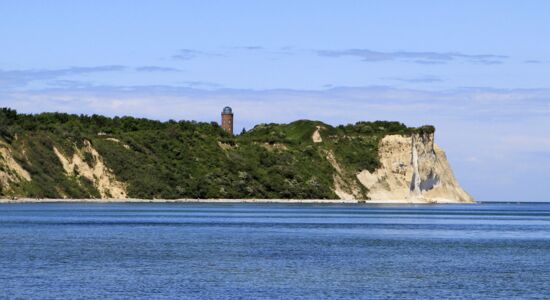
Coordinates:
10 170
316 136
102 177
413 169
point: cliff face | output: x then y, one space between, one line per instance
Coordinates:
415 169
11 171
93 170
54 155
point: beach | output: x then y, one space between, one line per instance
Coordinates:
283 201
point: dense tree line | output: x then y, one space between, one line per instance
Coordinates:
186 159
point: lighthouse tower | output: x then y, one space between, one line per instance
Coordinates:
227 120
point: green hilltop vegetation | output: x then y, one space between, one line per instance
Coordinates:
187 159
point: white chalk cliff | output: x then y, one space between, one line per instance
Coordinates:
413 169
96 172
10 170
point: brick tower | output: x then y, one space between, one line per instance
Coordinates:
227 120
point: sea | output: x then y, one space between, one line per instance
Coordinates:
274 251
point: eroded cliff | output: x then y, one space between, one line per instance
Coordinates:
87 163
413 168
55 155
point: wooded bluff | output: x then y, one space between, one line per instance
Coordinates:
58 155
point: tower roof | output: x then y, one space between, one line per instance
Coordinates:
227 110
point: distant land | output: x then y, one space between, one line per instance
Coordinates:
63 156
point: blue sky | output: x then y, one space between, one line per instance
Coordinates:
477 70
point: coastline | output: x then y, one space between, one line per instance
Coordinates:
279 201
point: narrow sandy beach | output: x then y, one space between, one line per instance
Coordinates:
305 201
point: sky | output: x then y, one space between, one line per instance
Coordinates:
477 70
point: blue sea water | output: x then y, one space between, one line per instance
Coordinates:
232 251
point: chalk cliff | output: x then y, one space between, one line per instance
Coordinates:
414 169
55 155
93 169
11 171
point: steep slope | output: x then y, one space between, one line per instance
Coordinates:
55 155
11 173
415 169
87 163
